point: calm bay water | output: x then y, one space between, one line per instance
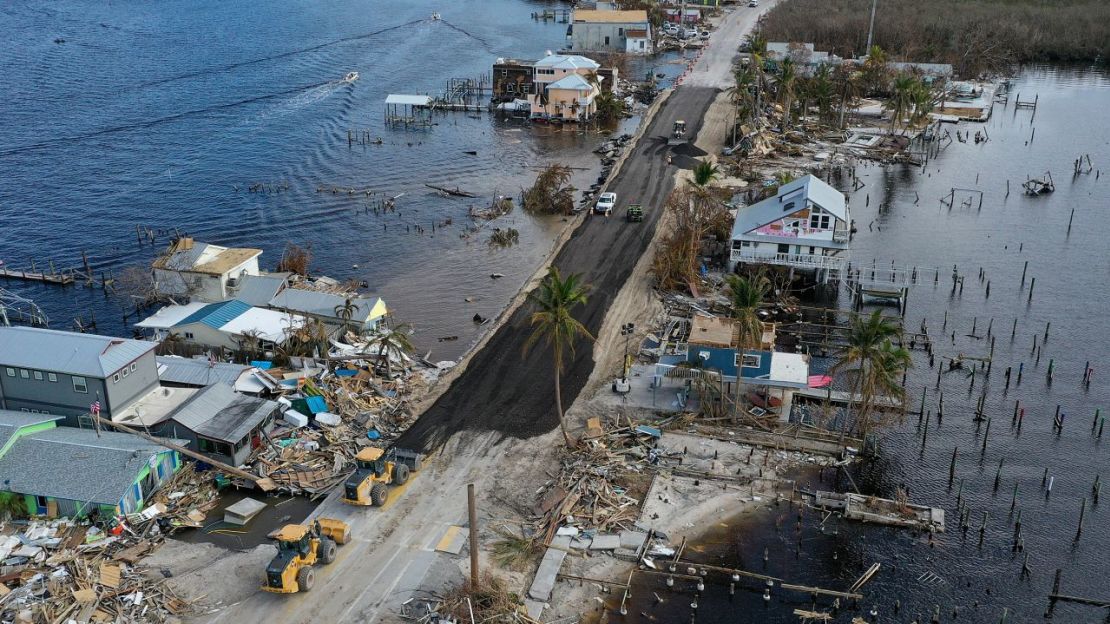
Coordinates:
911 227
164 114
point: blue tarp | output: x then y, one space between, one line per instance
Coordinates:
262 364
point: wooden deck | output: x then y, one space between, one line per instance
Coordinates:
844 398
62 279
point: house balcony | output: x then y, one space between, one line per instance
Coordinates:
841 234
797 261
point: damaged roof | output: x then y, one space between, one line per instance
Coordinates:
192 372
220 413
189 255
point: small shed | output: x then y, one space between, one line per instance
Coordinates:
221 423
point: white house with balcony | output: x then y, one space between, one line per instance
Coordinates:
805 226
565 86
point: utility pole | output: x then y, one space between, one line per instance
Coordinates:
871 28
472 512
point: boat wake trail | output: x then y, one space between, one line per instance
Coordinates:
231 66
467 33
315 91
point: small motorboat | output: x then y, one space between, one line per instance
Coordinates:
435 15
350 77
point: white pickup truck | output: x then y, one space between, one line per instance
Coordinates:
605 204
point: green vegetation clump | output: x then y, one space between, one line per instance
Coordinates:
975 36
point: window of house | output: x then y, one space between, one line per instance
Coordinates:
24 373
132 367
188 335
607 41
124 371
10 372
620 31
788 206
212 446
510 88
819 221
115 378
38 375
80 385
51 377
749 360
41 501
504 72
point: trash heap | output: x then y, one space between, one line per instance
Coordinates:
64 570
602 483
328 415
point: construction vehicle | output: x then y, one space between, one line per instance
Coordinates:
377 469
635 213
678 133
300 547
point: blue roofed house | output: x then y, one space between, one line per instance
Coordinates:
63 471
806 226
44 371
713 347
231 324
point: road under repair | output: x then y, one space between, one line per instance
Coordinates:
505 391
498 401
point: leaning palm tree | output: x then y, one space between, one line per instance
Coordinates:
390 343
346 311
553 324
876 364
746 294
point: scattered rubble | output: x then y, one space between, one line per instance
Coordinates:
63 570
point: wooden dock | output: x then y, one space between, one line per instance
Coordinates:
61 279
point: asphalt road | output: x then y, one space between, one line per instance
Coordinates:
500 395
513 394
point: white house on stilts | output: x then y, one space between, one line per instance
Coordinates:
805 226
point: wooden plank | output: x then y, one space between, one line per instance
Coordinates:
110 575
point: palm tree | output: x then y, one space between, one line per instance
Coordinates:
821 89
746 294
390 342
876 363
923 102
608 108
787 79
552 322
875 71
760 81
171 341
849 91
705 172
902 100
346 311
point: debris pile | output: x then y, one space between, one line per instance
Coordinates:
328 415
65 570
